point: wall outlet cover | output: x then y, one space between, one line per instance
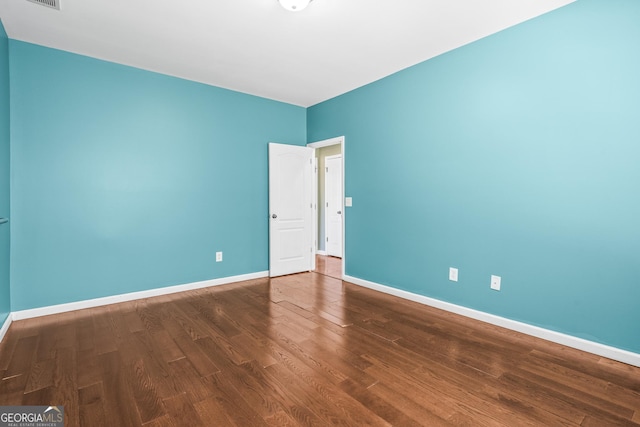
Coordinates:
495 282
453 274
218 256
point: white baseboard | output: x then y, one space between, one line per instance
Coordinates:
536 331
5 326
323 253
79 305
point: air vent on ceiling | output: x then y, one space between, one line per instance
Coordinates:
54 4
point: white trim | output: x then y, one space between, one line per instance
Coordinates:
327 142
79 305
323 253
5 326
614 353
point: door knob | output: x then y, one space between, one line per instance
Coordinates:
274 216
339 212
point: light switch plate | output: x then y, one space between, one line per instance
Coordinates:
453 274
495 282
348 201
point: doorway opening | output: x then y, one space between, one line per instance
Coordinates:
330 220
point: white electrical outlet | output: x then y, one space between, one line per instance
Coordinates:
218 256
453 274
495 282
348 201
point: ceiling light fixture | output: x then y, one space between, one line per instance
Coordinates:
294 5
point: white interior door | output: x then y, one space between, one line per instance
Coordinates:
333 208
290 209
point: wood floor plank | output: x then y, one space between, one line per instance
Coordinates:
144 347
326 403
105 341
381 407
212 412
118 398
91 409
257 390
12 389
443 406
233 402
22 357
256 351
280 419
7 347
42 396
215 316
329 266
401 398
351 366
295 309
144 392
41 375
187 380
149 320
541 397
65 384
304 350
576 388
591 421
290 354
164 421
182 411
504 405
588 374
85 332
190 349
87 367
170 351
184 320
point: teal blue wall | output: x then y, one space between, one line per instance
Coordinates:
517 155
5 306
126 180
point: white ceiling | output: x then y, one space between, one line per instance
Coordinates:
256 47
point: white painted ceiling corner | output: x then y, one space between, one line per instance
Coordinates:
257 47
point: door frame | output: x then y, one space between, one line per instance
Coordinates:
326 143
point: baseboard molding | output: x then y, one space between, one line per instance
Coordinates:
614 353
5 326
323 253
79 305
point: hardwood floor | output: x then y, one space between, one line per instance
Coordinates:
304 350
329 266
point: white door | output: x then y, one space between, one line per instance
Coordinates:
333 208
290 209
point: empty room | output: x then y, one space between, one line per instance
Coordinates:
320 212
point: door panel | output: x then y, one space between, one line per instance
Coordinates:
334 207
290 209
